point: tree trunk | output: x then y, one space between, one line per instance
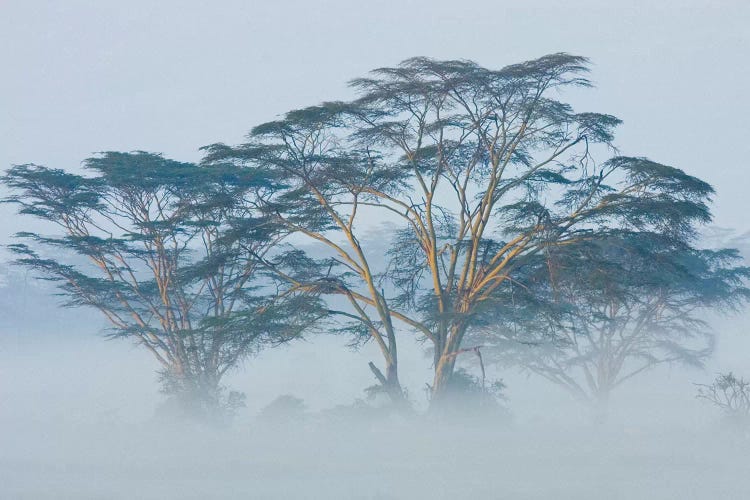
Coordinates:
445 361
441 380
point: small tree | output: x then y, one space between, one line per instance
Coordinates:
285 409
731 395
475 397
166 251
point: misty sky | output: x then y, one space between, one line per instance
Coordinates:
170 76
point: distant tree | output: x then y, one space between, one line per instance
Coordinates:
601 311
167 252
484 169
731 395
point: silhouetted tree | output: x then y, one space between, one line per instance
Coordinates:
601 311
731 395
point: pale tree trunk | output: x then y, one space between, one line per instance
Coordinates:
446 353
441 380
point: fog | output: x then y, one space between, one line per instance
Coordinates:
81 416
80 420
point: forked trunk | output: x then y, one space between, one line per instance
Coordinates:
390 383
446 352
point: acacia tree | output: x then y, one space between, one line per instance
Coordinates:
607 309
484 168
166 252
324 189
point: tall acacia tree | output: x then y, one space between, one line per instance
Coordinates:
501 171
484 168
167 252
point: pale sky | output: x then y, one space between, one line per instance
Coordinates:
78 77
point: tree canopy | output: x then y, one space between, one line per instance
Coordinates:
169 253
517 222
